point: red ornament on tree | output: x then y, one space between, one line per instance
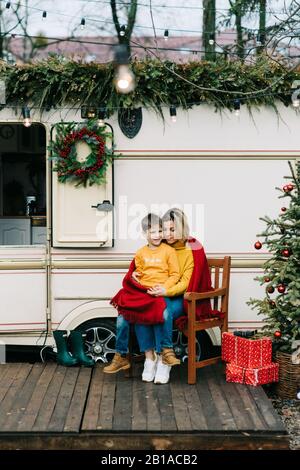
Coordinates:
283 209
257 245
267 279
286 253
277 334
285 188
281 288
270 289
289 187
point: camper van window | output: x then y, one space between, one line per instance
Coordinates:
22 184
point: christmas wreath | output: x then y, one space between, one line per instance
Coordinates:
64 153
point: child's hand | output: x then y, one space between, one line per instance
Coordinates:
157 291
136 275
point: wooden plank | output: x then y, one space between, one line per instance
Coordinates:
62 405
12 392
243 420
207 401
49 401
106 411
182 416
251 408
3 369
36 400
166 407
123 404
265 407
8 377
152 404
195 408
77 405
224 412
22 399
139 405
111 442
91 412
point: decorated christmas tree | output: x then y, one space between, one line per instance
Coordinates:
281 278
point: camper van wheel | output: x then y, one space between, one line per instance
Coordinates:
100 339
203 345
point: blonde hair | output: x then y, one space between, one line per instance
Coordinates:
180 222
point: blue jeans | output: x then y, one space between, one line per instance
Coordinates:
160 335
148 335
122 335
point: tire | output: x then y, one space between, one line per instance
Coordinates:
204 347
100 339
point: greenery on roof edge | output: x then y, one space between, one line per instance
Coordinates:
58 82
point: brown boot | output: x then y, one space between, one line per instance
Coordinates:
118 363
169 358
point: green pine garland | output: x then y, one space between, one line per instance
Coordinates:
58 82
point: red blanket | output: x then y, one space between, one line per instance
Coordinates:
135 304
199 282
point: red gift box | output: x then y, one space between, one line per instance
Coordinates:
235 373
252 376
262 375
246 352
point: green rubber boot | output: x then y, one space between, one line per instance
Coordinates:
63 357
77 349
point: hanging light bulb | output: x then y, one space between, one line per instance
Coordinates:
237 107
124 77
211 40
101 116
26 116
44 15
123 30
166 34
7 5
82 23
173 113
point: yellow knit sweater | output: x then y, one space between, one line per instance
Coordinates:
157 266
186 266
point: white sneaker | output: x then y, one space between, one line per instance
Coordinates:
162 372
149 369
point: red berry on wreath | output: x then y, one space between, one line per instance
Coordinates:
290 187
267 279
257 245
285 188
270 289
281 288
283 209
286 253
277 334
272 303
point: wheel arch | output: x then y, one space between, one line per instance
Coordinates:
98 309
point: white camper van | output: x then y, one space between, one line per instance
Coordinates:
64 250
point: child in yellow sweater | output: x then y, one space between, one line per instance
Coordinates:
156 266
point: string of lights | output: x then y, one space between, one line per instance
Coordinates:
82 21
159 6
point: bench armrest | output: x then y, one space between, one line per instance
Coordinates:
189 296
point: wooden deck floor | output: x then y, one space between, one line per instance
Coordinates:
47 406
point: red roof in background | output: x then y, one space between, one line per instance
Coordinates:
100 49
